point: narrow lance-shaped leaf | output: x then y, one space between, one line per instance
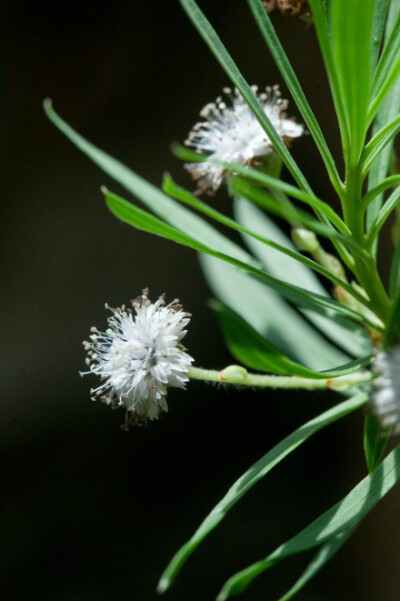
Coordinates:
146 222
389 182
384 213
254 351
375 146
264 23
392 335
344 515
322 18
388 58
351 29
270 315
355 341
293 215
384 90
151 196
266 179
251 477
386 114
212 40
375 441
323 555
378 27
394 285
321 208
183 195
272 182
322 226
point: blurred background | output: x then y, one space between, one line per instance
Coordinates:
89 512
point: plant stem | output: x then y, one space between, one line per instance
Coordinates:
354 213
239 376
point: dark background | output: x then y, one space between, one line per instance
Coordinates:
88 511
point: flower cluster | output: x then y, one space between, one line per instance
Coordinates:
139 356
386 396
230 133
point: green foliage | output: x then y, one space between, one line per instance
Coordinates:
323 555
345 515
182 195
212 40
352 340
253 350
351 37
146 222
257 471
375 441
270 296
267 30
265 311
386 115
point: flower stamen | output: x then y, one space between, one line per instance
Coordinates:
139 357
230 132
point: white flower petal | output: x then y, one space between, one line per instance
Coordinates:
231 133
385 401
139 356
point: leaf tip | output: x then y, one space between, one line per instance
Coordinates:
213 304
163 585
166 180
175 148
223 595
47 105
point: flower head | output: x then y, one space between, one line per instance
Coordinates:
139 356
293 8
386 396
231 133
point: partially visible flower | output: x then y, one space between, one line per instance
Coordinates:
293 8
386 396
139 356
231 133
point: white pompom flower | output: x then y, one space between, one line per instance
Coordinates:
385 401
231 133
139 357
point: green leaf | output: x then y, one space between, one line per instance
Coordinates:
324 212
388 58
352 30
388 83
394 284
158 202
355 341
384 213
378 27
323 555
187 154
344 515
375 441
183 195
270 315
293 215
251 477
277 184
146 222
389 182
322 18
386 114
375 146
254 351
264 23
393 328
212 40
